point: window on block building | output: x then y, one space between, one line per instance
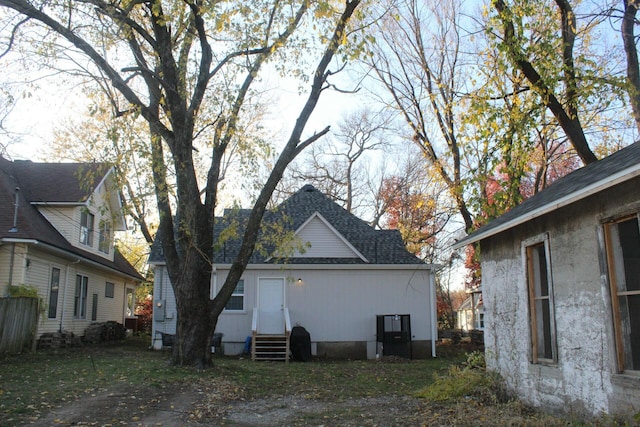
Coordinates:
541 309
622 239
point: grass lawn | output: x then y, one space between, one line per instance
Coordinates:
34 385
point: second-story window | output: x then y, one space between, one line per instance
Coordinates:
86 228
104 237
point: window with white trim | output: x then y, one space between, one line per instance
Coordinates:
54 287
541 309
104 237
94 308
622 240
80 297
86 227
236 302
109 290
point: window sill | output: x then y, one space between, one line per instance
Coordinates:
548 363
630 379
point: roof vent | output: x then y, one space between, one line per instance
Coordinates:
14 229
308 188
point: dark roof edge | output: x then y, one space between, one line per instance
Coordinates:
334 266
593 188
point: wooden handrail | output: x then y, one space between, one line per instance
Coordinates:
287 321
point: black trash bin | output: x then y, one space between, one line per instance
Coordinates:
300 344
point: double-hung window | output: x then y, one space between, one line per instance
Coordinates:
86 228
104 237
80 298
109 290
236 302
54 287
622 239
541 310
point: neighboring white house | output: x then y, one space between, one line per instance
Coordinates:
470 314
356 290
561 291
56 234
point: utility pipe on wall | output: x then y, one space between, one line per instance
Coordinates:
434 312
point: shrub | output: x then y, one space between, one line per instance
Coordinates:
471 381
26 291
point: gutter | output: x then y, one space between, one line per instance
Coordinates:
434 315
70 255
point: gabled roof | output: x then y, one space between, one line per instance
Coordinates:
42 182
619 167
374 246
30 225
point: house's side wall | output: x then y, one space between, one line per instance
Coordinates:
67 221
164 307
339 307
17 277
584 379
32 267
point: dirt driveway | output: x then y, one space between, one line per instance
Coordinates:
194 405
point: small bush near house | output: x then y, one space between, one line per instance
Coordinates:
17 291
471 381
144 313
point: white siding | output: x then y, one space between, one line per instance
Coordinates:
33 267
163 293
339 305
325 242
67 221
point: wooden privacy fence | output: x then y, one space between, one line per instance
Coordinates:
18 323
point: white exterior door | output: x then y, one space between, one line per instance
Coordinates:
271 306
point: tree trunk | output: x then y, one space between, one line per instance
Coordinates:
633 70
569 121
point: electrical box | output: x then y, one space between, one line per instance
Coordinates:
159 311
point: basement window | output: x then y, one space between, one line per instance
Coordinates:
541 310
622 239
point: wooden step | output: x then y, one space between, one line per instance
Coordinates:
270 347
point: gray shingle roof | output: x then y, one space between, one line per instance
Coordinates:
54 183
377 246
598 176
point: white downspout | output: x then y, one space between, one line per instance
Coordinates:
434 312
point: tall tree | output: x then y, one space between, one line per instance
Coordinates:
339 165
566 109
163 61
415 57
631 51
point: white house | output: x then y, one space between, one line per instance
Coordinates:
561 291
357 291
56 234
470 314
